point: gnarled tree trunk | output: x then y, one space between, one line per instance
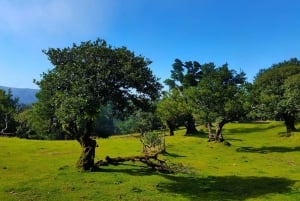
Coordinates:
88 145
218 135
208 125
190 125
86 160
219 127
289 122
171 127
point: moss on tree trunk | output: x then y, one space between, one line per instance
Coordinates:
86 160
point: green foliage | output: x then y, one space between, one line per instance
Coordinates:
125 126
220 94
140 122
24 123
275 90
210 93
184 75
33 126
87 77
105 123
152 138
291 96
91 75
8 109
173 109
153 142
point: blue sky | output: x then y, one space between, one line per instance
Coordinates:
247 34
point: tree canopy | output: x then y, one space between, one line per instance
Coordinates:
276 89
88 76
218 97
184 75
174 110
206 92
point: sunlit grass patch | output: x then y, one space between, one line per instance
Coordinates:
259 165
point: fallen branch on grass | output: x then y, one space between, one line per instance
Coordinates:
149 160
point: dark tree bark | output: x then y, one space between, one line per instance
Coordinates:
190 125
218 135
86 160
289 123
88 145
149 160
219 127
171 127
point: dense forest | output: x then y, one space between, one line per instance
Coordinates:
97 90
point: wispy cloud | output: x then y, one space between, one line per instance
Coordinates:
28 26
53 16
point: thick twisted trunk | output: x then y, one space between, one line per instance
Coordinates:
218 135
86 160
190 125
171 127
219 127
289 122
88 145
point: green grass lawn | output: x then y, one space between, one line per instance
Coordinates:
260 164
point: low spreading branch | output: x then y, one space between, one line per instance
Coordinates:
149 160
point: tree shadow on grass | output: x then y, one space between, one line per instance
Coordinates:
265 150
194 187
174 155
131 169
224 187
199 133
233 139
245 130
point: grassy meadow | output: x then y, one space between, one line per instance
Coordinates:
260 164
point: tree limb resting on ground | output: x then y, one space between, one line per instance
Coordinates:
149 160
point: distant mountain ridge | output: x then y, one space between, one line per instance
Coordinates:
25 95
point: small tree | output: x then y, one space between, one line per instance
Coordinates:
174 110
8 109
90 75
183 76
154 142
